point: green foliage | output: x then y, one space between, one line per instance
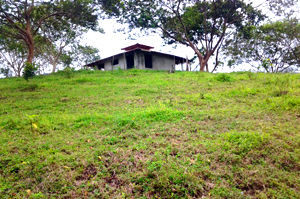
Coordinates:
68 72
66 59
56 17
273 47
201 25
283 7
6 72
31 119
84 54
79 55
12 56
223 77
29 71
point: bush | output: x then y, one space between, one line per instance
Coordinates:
29 70
223 77
68 72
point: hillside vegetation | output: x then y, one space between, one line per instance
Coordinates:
150 134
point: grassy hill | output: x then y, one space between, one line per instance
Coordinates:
150 134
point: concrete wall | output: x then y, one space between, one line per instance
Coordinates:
162 62
122 63
159 62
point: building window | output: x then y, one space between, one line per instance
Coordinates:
116 61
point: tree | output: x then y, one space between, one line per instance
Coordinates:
5 71
201 25
83 55
53 45
274 46
23 20
12 57
282 7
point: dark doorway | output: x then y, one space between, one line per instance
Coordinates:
100 66
130 61
148 61
116 62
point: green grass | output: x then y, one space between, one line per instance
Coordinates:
150 134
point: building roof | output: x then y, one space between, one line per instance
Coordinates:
137 46
141 47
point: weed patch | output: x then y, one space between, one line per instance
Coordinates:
30 87
223 77
240 143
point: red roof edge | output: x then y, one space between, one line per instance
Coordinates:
137 46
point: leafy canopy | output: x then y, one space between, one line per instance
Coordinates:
274 46
201 25
23 19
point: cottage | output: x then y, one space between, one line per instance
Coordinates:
139 56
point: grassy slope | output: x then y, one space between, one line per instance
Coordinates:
151 135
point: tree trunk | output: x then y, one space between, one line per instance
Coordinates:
53 61
202 63
30 53
19 73
30 45
187 64
54 67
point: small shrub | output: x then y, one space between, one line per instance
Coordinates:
223 77
68 72
29 70
82 80
32 122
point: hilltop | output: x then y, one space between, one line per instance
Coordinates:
150 134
